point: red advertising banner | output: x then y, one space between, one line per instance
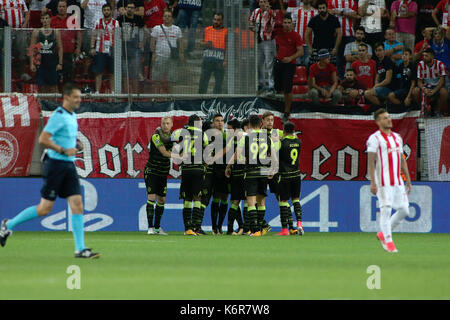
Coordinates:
19 123
115 146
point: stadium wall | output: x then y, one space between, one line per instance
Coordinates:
328 206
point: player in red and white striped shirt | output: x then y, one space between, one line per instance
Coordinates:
431 75
15 13
385 150
102 45
304 15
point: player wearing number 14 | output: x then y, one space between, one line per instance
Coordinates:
385 150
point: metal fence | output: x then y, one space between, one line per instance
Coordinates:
135 71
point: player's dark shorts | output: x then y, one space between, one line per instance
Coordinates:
155 184
221 182
208 183
191 184
60 179
255 186
273 185
283 76
289 188
101 62
237 187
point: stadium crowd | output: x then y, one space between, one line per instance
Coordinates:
366 52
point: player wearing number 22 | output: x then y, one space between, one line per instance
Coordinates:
385 150
59 172
289 180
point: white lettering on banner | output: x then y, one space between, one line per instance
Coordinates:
420 210
10 110
320 155
354 163
62 220
130 158
114 151
324 224
86 157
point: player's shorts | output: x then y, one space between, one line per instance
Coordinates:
392 196
255 186
273 184
60 179
208 184
283 76
155 184
221 182
289 188
191 184
237 188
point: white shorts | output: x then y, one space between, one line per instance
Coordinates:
392 196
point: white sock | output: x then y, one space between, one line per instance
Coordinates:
398 216
385 223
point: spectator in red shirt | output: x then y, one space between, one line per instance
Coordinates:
153 12
289 48
365 68
421 46
71 40
153 16
323 79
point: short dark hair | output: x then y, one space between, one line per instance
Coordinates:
389 28
254 121
407 50
289 127
234 123
192 119
351 69
206 125
378 44
378 112
62 1
361 28
106 5
68 88
218 13
429 50
244 123
287 16
322 2
216 116
267 114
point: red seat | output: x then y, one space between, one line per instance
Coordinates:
299 89
300 76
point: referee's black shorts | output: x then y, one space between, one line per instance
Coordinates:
284 76
60 179
289 188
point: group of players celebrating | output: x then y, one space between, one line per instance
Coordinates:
238 162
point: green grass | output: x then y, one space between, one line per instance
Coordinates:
136 266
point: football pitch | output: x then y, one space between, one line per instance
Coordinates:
33 265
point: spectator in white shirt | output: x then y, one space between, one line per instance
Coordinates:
164 63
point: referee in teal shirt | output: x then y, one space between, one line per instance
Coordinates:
59 173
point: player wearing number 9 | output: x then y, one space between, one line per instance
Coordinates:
289 185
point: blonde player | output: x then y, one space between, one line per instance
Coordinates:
385 150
